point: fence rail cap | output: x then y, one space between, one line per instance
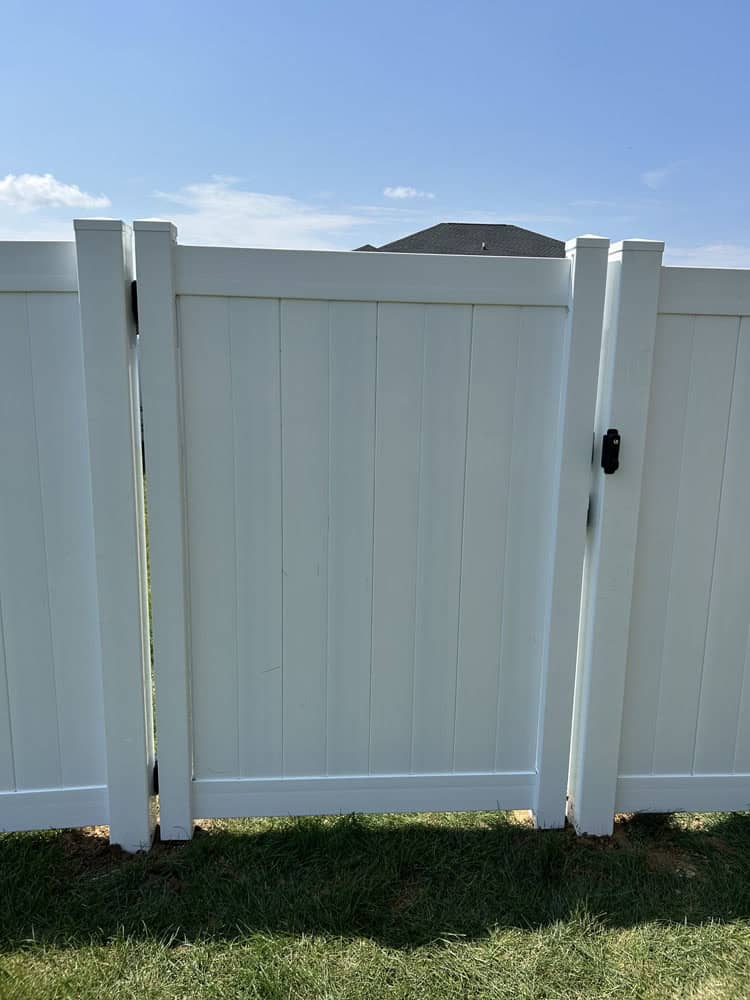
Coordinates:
155 226
106 224
588 240
650 246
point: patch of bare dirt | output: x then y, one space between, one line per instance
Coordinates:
89 847
673 861
523 817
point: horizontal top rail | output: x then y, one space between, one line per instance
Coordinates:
705 291
381 277
38 267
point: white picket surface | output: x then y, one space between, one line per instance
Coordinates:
52 753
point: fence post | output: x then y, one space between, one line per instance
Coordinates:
633 278
104 251
588 261
157 313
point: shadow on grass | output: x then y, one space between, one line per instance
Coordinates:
401 881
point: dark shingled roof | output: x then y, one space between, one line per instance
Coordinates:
476 238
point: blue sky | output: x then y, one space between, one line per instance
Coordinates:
330 124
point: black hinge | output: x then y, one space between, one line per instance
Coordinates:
155 778
134 301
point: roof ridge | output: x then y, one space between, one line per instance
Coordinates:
496 238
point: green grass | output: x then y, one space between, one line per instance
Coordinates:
469 905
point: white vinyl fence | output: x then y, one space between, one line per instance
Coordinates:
664 687
368 483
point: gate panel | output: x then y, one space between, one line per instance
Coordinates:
370 496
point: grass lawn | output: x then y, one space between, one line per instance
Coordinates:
467 905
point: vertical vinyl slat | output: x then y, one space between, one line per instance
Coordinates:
527 556
305 390
350 570
254 333
666 450
706 421
23 562
7 762
729 612
209 465
60 405
446 379
741 763
399 404
494 362
9 328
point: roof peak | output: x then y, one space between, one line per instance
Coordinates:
494 238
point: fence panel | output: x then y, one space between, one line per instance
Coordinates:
367 528
665 708
52 754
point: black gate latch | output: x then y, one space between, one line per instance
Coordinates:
611 451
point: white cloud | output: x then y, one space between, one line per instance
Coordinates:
402 191
217 212
26 192
655 178
709 255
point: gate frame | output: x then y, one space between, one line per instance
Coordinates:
104 249
156 243
162 417
630 316
588 257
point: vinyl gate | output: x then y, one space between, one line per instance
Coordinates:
367 476
372 576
